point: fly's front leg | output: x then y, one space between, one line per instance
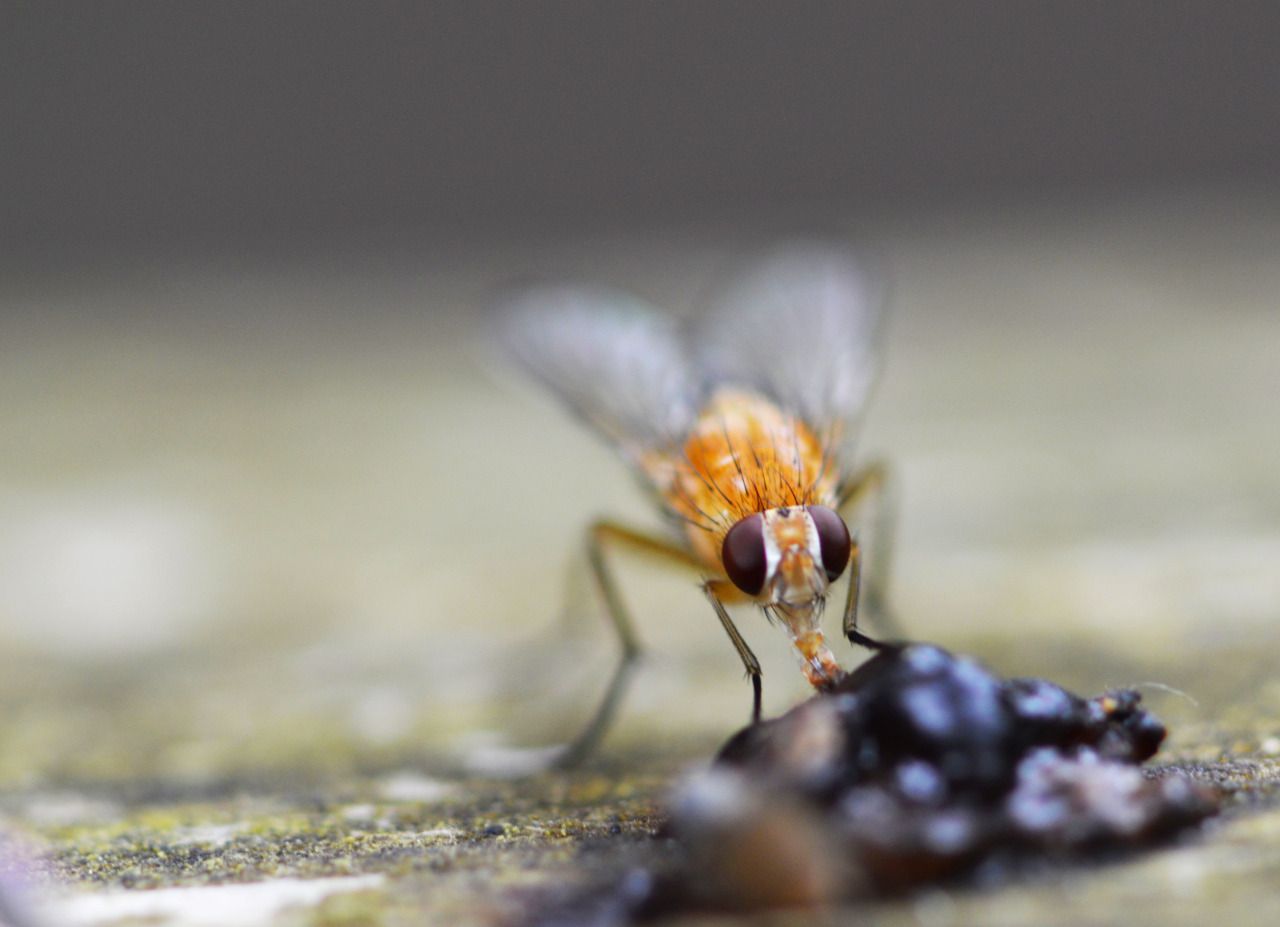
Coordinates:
870 484
600 536
714 588
850 624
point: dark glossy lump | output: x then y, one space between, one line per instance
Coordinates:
920 766
926 764
919 706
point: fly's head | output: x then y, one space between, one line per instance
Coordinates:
786 559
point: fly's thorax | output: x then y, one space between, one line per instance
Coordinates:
744 454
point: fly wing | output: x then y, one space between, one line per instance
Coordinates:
613 359
804 329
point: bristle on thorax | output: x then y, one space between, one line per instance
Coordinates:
743 455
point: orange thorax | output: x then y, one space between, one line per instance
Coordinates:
743 455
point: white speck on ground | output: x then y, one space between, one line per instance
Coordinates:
414 787
209 834
206 906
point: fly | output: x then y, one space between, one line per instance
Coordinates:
741 429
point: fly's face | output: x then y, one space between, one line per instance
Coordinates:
794 549
786 559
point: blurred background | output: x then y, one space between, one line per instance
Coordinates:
268 500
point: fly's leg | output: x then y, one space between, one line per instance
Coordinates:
713 588
870 484
600 536
850 625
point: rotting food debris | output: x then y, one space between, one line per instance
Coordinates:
919 767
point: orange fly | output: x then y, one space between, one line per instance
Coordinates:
741 428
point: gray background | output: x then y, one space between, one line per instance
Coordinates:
239 127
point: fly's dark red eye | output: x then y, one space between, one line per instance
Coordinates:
744 556
833 535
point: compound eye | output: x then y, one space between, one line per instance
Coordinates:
744 555
833 535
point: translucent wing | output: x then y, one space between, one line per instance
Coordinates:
613 359
803 328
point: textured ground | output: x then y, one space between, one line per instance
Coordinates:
282 564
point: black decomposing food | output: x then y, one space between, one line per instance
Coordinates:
922 764
919 766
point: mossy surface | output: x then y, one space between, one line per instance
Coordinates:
131 814
478 843
467 850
